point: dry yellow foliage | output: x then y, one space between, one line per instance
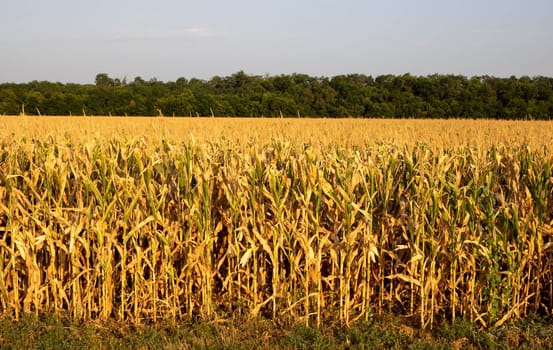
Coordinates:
346 132
142 219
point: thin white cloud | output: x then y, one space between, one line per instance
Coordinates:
189 32
165 34
198 31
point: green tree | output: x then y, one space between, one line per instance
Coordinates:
8 101
103 80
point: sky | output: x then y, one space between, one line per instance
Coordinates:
73 40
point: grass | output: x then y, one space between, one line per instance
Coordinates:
386 332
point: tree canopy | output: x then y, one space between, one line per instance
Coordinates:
240 94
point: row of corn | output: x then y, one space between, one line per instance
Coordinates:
143 231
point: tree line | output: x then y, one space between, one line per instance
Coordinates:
240 94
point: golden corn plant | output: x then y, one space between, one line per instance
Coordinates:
143 229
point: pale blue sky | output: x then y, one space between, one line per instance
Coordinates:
73 40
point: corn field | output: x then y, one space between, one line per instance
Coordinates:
143 230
